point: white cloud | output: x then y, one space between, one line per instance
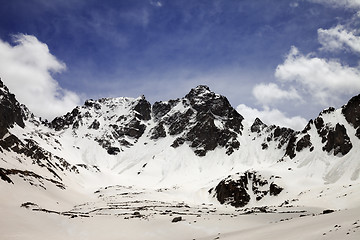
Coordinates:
325 80
27 68
338 38
339 3
271 116
268 94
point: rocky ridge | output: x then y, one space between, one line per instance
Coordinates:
30 155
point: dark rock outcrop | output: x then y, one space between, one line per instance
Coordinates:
338 140
179 121
10 110
233 192
274 189
143 109
304 142
208 122
160 109
257 126
237 190
290 148
351 111
95 125
176 219
39 156
158 131
113 150
30 177
4 177
117 130
70 119
283 135
321 128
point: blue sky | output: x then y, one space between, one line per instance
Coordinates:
282 60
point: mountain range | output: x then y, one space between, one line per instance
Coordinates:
194 150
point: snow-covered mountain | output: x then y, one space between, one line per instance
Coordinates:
195 149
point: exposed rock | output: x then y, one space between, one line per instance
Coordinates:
327 111
204 135
4 177
358 132
257 126
134 129
30 176
113 150
322 130
203 100
176 219
10 110
29 205
70 119
351 111
304 142
290 149
178 141
205 120
275 189
327 211
95 125
143 109
179 121
283 135
91 168
237 190
232 145
308 126
92 104
158 131
160 109
233 192
338 140
39 156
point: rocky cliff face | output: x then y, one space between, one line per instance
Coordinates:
202 119
351 111
333 135
10 110
237 190
26 152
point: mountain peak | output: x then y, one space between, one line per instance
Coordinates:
351 111
10 110
202 88
199 92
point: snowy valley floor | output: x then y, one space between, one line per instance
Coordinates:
121 212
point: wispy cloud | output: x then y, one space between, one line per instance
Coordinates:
27 68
